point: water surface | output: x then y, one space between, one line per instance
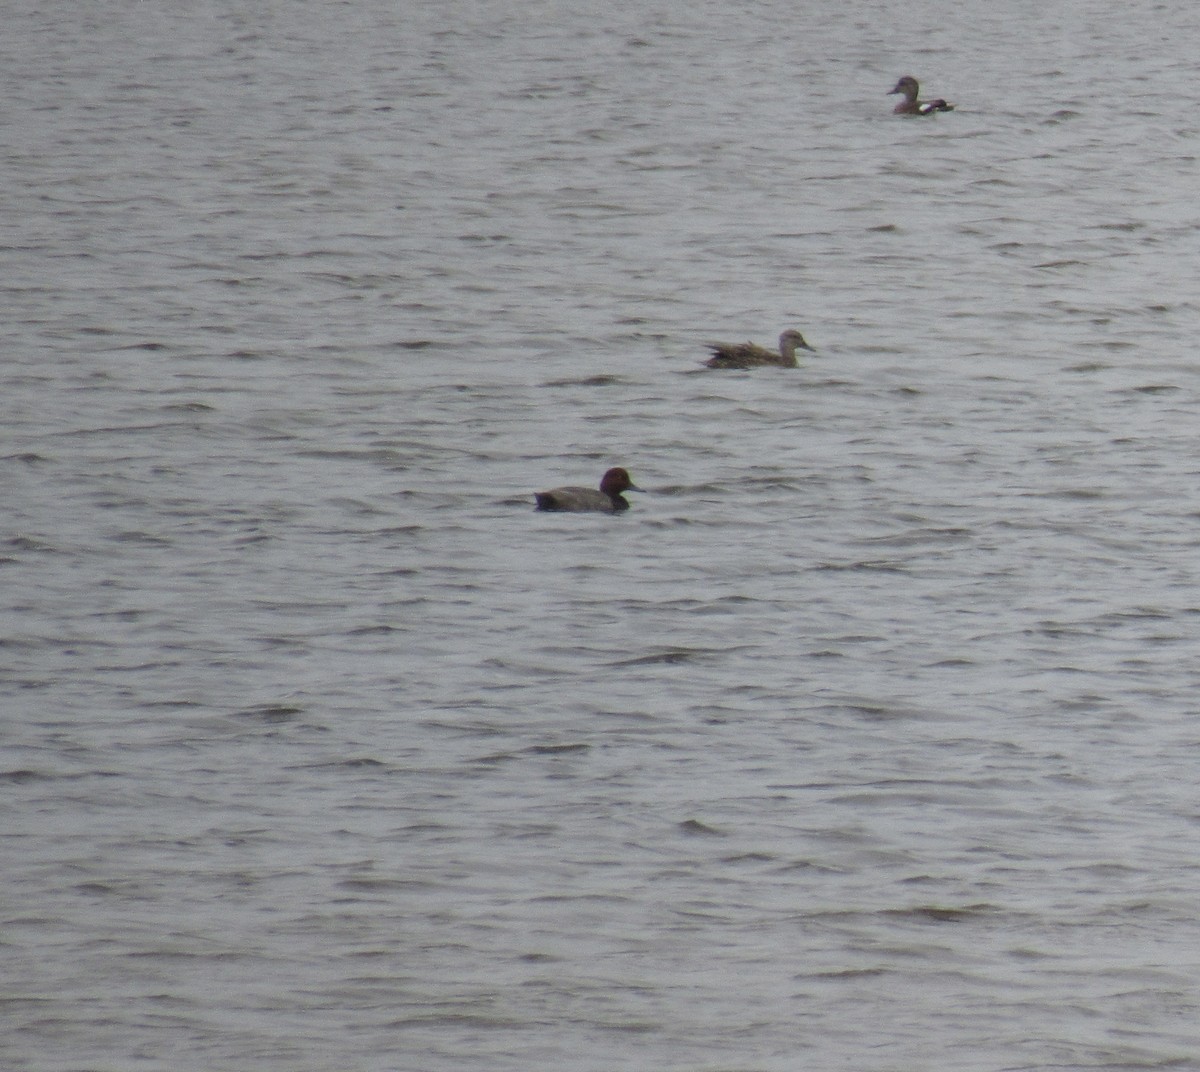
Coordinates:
864 741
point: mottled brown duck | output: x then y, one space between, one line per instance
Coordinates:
745 355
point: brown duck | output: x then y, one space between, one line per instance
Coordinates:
744 355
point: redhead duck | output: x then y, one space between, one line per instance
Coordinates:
910 105
746 355
607 500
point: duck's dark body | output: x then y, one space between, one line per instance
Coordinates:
607 500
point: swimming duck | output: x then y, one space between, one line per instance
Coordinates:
607 500
746 355
910 105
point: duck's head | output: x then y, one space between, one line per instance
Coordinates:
794 338
907 85
616 481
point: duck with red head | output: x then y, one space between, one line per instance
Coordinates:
910 105
608 500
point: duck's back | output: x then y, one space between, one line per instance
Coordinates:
744 355
579 500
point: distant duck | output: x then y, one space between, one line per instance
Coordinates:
910 105
744 355
608 500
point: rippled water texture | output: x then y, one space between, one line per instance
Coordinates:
865 741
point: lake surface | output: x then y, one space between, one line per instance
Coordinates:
866 741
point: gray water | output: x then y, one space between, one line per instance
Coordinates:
865 741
